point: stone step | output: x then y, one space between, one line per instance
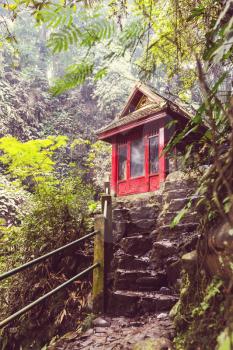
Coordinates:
179 185
140 226
145 212
176 194
140 280
163 249
131 228
136 245
168 217
166 231
130 303
177 204
130 262
138 200
120 214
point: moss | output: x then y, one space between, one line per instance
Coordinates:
202 312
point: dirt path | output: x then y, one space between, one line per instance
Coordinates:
121 333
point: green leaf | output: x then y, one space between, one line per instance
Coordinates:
196 12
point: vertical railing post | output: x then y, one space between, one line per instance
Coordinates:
98 274
103 252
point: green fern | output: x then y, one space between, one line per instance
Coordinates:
131 35
86 36
56 16
127 40
76 75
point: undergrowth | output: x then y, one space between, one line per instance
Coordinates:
203 312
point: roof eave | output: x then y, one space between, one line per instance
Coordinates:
123 128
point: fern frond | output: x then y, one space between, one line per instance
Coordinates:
87 36
76 75
131 34
101 73
56 16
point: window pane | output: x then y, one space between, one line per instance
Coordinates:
137 158
122 162
154 154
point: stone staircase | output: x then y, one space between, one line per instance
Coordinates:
147 251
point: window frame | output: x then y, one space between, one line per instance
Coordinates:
122 145
155 135
142 138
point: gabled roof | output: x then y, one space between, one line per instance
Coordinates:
144 90
136 115
135 110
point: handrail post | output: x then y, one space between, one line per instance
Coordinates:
103 252
98 274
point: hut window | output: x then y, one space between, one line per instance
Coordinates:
122 160
137 158
154 154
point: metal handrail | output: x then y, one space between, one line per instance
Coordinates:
45 296
45 256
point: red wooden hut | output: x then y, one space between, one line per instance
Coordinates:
138 136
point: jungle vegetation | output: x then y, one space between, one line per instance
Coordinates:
66 69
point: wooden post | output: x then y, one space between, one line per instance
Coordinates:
108 242
103 252
98 273
107 184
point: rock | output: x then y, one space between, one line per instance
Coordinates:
152 281
175 194
162 249
119 229
168 217
148 212
123 303
165 291
154 344
168 231
87 333
177 204
162 316
120 214
142 226
189 261
127 279
100 330
173 272
100 322
157 303
154 234
136 245
179 184
129 262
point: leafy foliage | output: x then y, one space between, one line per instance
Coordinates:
200 315
76 75
174 45
35 232
30 159
85 36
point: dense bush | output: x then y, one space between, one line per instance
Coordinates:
57 213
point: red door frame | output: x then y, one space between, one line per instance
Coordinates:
147 182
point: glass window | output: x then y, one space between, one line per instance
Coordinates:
122 161
137 158
154 154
